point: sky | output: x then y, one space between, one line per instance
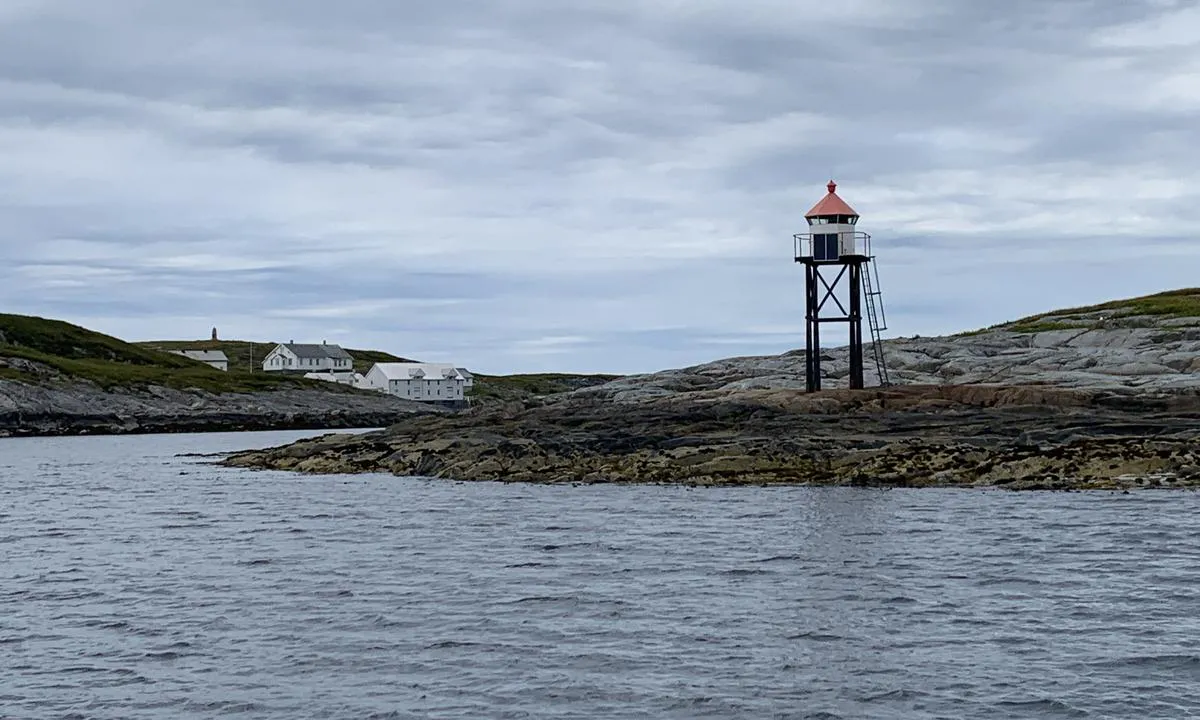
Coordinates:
585 185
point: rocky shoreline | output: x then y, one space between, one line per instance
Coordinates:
919 436
84 408
1092 402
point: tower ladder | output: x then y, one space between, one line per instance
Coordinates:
876 319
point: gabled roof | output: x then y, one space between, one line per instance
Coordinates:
466 375
343 376
831 204
203 355
322 351
418 371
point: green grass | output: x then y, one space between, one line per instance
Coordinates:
74 352
1184 303
245 354
364 359
1036 326
1026 325
109 374
237 351
64 340
1172 303
7 373
521 387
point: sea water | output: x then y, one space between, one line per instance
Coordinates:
138 580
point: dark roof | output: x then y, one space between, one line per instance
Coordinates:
333 352
463 371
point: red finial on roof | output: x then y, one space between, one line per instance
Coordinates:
831 204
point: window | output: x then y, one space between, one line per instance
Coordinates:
825 246
834 220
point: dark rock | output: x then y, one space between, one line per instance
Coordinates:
73 408
1095 404
1022 438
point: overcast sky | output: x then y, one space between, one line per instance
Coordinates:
585 185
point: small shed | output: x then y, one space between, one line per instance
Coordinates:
212 358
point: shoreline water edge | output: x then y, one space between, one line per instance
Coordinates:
916 436
1079 399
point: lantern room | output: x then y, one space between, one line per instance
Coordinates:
832 232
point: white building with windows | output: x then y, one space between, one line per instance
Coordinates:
212 358
352 379
300 357
423 382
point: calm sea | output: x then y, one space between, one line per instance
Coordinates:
135 583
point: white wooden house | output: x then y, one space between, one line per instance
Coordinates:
212 358
423 382
299 357
352 379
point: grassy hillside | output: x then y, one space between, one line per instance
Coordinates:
60 350
364 359
490 388
1170 304
240 352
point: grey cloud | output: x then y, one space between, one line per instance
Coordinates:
524 185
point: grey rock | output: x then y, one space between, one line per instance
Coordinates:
1142 353
67 408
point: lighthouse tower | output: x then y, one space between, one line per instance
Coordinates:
837 266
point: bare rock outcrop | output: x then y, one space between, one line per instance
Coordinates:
67 407
914 436
1079 403
1143 353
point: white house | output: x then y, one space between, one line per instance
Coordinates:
352 379
424 382
468 378
308 358
212 358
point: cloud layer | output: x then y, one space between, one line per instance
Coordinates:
524 185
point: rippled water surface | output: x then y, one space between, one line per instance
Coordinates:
138 584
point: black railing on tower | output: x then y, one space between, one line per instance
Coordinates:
856 267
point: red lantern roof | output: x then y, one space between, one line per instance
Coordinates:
831 204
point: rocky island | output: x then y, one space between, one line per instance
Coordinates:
61 379
1100 397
